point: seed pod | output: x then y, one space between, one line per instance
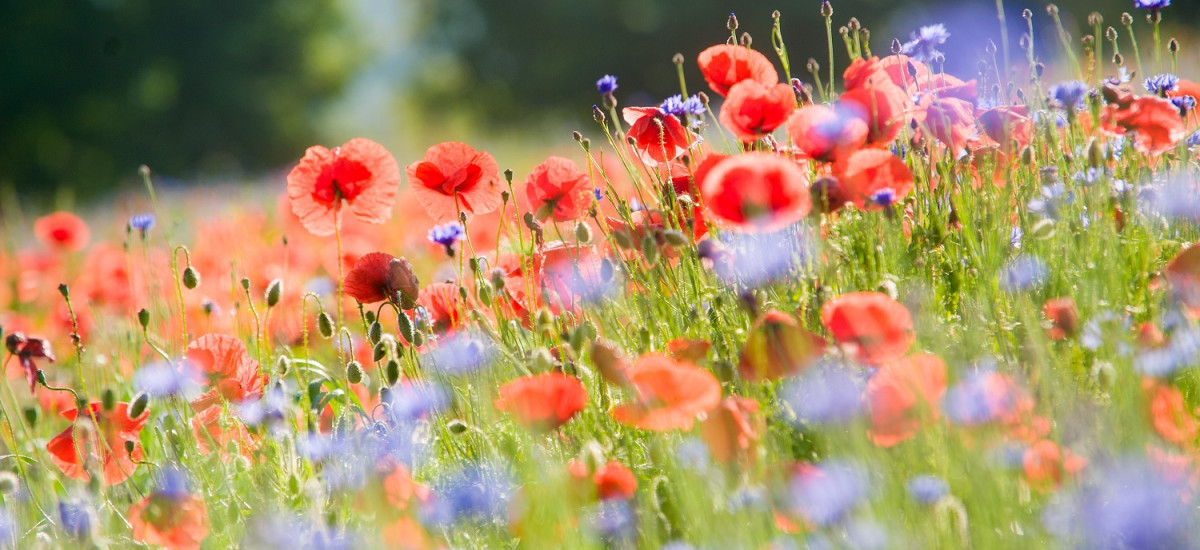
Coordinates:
325 325
140 402
418 339
583 233
108 399
456 426
191 278
354 372
31 416
130 446
622 239
379 352
274 292
375 332
405 325
143 318
392 372
245 283
674 238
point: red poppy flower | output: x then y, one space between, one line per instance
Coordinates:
360 172
1045 464
79 449
725 65
1169 414
902 70
777 347
1155 122
871 326
754 110
614 481
222 430
1006 125
950 120
688 350
876 98
902 395
874 179
454 177
27 349
444 306
826 134
558 189
732 429
62 231
232 374
756 191
176 522
543 400
1063 316
670 394
1183 273
570 271
657 136
379 276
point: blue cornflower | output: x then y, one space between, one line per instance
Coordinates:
693 106
1069 94
76 518
173 483
477 492
1151 4
923 43
162 379
1194 139
827 394
1160 84
614 521
1184 103
827 495
1022 273
677 106
884 197
446 235
142 222
459 353
927 489
598 193
607 84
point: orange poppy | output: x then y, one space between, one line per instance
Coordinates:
1063 316
658 137
824 133
877 99
777 347
1046 465
62 231
725 65
1156 123
543 400
756 190
732 429
902 395
558 189
444 305
1169 414
754 109
670 394
454 178
232 374
688 350
874 179
1008 126
949 119
614 481
361 172
79 446
379 276
176 522
871 326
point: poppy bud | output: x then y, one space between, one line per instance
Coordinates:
1095 19
597 114
732 24
325 325
246 283
369 316
418 339
9 483
583 233
41 380
622 239
129 447
1027 156
1104 375
62 289
532 223
456 426
404 324
140 402
674 238
391 372
746 40
1051 10
274 292
1088 41
542 360
462 292
1026 14
354 372
853 24
191 279
896 46
375 332
282 366
485 293
650 249
498 278
1111 34
813 66
108 399
1173 46
293 485
143 318
462 218
609 361
379 352
31 416
1118 59
826 9
1095 154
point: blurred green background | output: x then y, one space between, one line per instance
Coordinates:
230 89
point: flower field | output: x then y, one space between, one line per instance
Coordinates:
865 307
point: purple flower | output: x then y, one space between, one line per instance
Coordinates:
297 533
446 235
598 193
614 521
927 489
458 353
884 197
76 517
142 222
172 483
1160 84
1184 103
1069 95
162 379
677 106
1022 273
827 394
607 84
825 494
410 402
1151 4
478 493
923 43
758 258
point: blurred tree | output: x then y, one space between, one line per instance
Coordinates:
93 88
510 61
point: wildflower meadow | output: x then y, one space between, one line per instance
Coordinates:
793 306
